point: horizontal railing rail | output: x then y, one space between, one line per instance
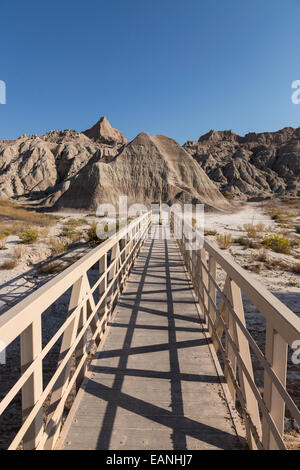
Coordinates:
221 303
43 406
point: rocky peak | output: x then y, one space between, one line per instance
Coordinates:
103 132
217 136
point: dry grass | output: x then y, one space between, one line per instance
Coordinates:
210 232
9 264
254 231
296 268
12 211
3 240
51 268
247 243
58 246
224 240
254 267
73 223
18 251
263 256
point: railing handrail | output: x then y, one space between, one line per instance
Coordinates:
223 311
279 314
23 313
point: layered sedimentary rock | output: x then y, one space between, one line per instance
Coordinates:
256 165
148 169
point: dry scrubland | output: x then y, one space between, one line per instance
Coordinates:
34 246
264 239
37 244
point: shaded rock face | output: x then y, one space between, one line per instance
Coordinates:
44 167
147 170
261 165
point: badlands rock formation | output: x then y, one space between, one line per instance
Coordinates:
69 169
148 169
261 165
44 167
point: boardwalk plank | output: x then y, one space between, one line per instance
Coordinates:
154 384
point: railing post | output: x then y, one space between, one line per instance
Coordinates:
276 355
212 301
31 346
235 297
82 346
69 336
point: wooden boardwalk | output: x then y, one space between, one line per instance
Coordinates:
153 384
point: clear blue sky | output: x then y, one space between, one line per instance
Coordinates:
178 68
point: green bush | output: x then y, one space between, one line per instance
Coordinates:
28 237
277 243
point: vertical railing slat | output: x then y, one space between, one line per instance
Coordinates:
276 354
31 346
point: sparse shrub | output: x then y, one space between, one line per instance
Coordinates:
3 240
224 240
18 251
50 268
44 232
277 243
263 256
247 243
253 231
297 229
59 246
9 264
75 223
210 232
92 233
66 232
29 237
296 268
228 195
255 267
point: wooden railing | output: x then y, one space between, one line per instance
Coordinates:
223 312
43 407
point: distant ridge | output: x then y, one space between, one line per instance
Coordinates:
260 165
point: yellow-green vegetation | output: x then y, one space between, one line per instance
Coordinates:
58 246
106 228
29 237
92 234
224 240
277 243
